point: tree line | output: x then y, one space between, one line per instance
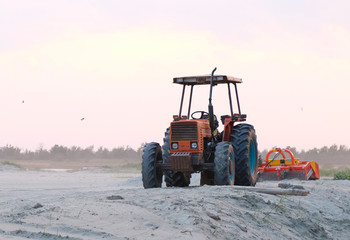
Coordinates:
59 152
333 155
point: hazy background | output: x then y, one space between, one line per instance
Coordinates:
112 63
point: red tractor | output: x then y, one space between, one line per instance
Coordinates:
193 144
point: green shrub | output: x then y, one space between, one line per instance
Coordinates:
12 164
342 175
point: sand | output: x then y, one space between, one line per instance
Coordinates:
95 204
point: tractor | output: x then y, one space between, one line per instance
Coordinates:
193 143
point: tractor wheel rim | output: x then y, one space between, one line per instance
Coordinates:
231 167
252 156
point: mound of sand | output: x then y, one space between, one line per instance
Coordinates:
97 205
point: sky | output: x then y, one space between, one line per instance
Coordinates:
112 63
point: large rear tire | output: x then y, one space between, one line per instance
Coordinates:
243 138
224 162
171 178
151 175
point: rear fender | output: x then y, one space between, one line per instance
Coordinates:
226 137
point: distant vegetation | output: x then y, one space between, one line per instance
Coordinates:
11 164
336 173
327 157
58 152
334 161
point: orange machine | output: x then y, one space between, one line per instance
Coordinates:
287 168
193 143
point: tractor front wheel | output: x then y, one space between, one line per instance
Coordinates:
224 162
151 174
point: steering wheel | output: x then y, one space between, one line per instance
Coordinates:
204 115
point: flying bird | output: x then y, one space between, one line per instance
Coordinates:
82 119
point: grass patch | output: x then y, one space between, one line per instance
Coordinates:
8 163
328 172
126 168
106 167
133 165
336 173
342 174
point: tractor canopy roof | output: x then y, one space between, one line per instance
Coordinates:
205 79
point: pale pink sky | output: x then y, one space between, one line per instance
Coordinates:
112 63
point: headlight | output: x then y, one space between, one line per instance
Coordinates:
194 145
175 145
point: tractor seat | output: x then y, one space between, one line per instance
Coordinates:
215 120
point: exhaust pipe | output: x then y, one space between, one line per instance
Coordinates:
210 106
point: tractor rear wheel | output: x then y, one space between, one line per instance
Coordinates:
171 178
243 138
224 162
151 175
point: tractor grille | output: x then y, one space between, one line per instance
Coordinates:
182 131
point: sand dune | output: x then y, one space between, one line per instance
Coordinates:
93 204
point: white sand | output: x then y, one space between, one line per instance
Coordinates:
96 205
